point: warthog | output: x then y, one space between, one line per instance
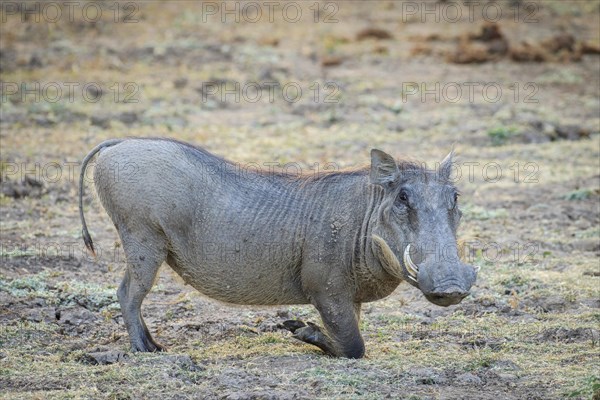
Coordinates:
334 240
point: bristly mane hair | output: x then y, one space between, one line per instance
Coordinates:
404 164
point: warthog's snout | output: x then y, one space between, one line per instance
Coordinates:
446 285
447 297
443 284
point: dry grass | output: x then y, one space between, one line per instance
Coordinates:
531 327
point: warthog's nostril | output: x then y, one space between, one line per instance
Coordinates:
449 295
446 298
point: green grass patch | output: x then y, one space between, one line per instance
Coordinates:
589 388
65 293
581 194
501 134
477 213
588 233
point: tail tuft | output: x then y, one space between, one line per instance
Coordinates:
87 239
84 232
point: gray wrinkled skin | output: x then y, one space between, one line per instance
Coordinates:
334 240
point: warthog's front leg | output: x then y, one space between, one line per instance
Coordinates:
309 333
342 336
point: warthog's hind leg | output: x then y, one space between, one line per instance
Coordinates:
143 262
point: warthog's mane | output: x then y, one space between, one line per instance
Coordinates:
405 165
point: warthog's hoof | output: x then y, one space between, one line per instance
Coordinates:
292 325
307 332
147 345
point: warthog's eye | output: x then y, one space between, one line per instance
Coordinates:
455 202
403 197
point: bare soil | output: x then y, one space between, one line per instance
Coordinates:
529 173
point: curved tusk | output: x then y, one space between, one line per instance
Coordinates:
408 263
477 268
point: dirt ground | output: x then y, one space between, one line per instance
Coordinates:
517 93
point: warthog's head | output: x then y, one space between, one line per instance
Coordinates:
414 236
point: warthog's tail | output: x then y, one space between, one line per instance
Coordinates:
86 235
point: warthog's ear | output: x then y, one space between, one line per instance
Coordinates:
384 169
446 166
